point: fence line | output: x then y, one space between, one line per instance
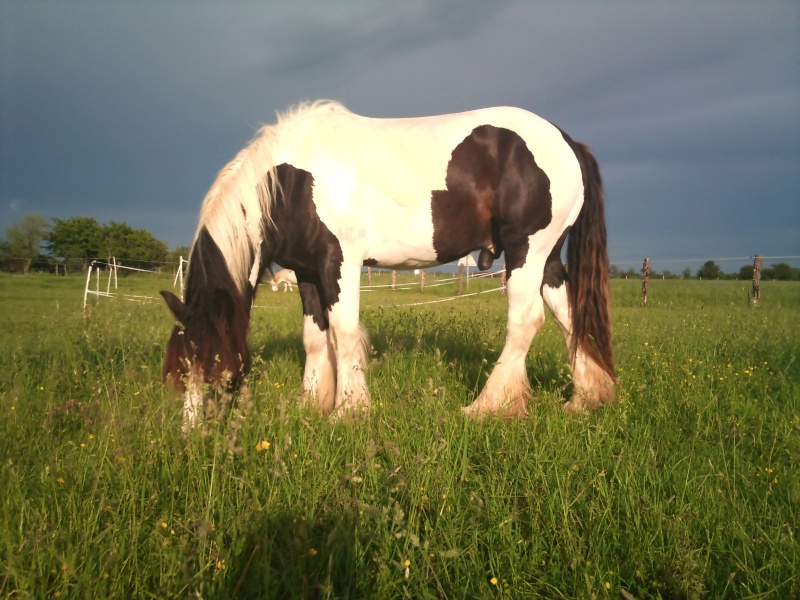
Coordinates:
699 260
448 299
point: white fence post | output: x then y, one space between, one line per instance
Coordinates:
88 281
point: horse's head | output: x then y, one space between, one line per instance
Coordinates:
207 351
274 285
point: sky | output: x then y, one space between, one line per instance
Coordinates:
126 111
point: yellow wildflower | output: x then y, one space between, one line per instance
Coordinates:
493 581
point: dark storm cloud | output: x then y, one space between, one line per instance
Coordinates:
127 110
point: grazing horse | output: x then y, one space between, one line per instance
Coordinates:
285 277
325 191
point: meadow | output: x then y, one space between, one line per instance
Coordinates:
688 487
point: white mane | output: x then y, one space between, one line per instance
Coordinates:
240 200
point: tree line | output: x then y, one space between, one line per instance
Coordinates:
711 270
33 243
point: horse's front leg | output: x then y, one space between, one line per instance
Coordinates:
352 394
319 376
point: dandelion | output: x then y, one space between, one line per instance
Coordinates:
407 563
493 580
60 480
163 524
312 552
91 436
221 565
262 446
608 585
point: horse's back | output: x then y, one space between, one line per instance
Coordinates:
374 179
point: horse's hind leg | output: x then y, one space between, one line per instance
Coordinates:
592 385
319 376
507 390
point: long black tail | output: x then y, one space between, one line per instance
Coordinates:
587 259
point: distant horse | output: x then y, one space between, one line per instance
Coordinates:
325 191
285 277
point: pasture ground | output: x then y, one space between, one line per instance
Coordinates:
689 487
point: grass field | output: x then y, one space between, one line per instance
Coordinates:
688 488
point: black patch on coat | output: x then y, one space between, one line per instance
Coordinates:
369 262
554 272
297 239
496 197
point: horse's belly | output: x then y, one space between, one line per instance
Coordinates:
400 239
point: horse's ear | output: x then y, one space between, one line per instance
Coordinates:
175 304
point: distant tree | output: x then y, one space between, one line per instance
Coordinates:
614 271
85 239
687 273
668 274
76 238
746 272
781 272
5 256
137 247
24 240
709 270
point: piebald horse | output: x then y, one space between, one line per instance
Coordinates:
325 192
285 277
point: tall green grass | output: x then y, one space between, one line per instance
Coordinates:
688 487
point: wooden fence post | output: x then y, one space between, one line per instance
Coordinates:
394 279
369 275
460 279
757 279
503 280
422 280
645 280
